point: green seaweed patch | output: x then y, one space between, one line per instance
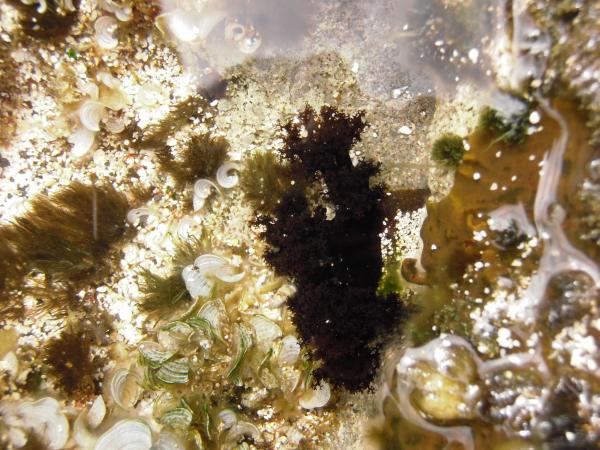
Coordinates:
200 158
162 293
448 150
71 364
67 237
179 116
509 127
264 181
391 281
53 22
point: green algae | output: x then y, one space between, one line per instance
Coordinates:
448 150
67 237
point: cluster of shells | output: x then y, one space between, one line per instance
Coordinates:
101 104
192 22
216 343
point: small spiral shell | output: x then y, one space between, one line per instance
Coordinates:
121 10
90 114
105 27
202 190
316 397
115 124
225 178
250 42
234 31
82 140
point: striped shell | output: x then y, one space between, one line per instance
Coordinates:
289 350
127 434
124 388
225 177
90 114
202 190
45 417
105 27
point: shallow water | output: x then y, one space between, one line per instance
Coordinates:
299 224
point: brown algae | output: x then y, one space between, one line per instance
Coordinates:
66 236
260 322
475 240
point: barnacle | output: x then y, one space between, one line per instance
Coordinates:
71 364
335 262
448 150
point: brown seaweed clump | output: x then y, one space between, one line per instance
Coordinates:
71 364
52 22
66 237
324 234
200 158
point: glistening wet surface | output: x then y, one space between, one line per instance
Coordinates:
284 224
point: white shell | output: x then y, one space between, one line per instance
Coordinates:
250 43
42 7
168 440
196 283
214 313
108 80
234 31
126 435
265 330
96 414
81 434
91 90
228 418
44 417
225 178
240 429
124 388
219 267
209 263
134 216
90 114
150 94
122 11
115 124
317 397
105 26
82 140
202 190
184 227
289 351
10 364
